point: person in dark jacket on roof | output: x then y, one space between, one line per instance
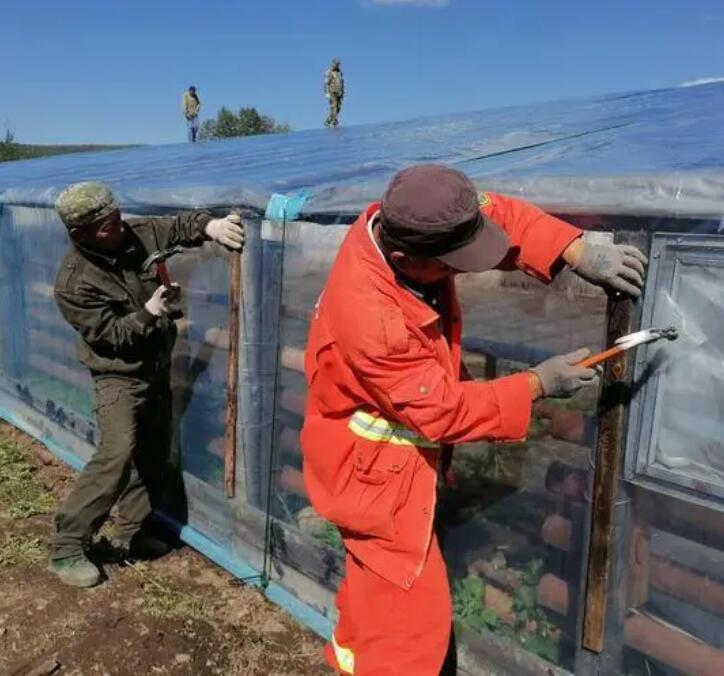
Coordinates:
126 336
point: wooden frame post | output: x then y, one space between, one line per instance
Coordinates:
232 379
606 480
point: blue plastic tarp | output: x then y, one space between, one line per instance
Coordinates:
656 151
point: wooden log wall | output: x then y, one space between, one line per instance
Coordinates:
649 571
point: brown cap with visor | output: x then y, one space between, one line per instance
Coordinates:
432 211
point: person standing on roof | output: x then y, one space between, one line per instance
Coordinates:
122 314
191 105
388 395
334 92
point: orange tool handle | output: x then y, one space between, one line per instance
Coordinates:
595 359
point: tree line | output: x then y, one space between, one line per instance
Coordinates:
9 150
247 122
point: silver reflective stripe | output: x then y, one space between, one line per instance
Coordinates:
380 430
344 657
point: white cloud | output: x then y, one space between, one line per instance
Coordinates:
418 3
701 81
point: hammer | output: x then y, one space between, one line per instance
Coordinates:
159 258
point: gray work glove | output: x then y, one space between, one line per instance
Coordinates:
560 377
616 266
164 300
228 231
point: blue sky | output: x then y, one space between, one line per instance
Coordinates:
113 72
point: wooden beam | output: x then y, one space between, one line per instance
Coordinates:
293 400
606 478
552 593
698 590
639 563
557 532
292 481
63 349
647 570
292 358
232 381
665 643
658 640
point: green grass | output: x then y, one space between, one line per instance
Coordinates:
21 494
16 550
167 602
160 600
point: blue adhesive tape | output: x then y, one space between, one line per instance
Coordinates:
242 569
285 207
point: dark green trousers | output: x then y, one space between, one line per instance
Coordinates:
128 467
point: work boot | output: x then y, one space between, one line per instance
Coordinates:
75 570
141 546
147 546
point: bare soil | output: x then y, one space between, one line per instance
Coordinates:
178 615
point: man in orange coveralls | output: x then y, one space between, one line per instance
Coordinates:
386 395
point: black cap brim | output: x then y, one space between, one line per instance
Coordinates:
485 251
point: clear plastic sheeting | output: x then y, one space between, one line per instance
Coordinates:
672 506
681 429
38 362
515 526
301 539
645 152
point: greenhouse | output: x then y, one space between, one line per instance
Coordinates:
594 547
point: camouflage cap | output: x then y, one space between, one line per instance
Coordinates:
85 203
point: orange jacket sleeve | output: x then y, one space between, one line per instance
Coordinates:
412 388
537 238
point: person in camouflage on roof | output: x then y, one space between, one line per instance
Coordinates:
334 91
126 336
191 105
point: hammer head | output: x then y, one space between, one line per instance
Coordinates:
160 256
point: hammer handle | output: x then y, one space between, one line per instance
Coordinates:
163 274
595 359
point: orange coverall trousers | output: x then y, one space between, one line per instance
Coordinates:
385 630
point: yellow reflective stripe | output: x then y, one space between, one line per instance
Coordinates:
380 430
344 657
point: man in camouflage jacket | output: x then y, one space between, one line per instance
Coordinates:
126 337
